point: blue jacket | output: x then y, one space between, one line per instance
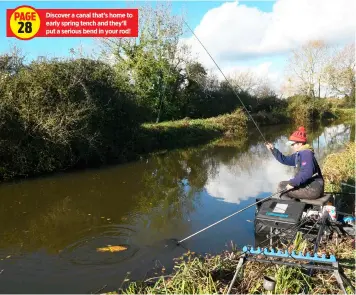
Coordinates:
304 162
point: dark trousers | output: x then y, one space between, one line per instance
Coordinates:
312 190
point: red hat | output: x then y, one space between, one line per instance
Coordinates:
298 136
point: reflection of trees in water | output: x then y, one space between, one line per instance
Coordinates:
332 139
52 230
171 185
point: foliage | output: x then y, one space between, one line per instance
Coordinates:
61 114
304 109
195 274
340 167
150 65
167 135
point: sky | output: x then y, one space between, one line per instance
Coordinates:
239 35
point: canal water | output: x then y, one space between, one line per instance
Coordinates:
52 227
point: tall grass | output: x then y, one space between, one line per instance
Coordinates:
209 274
340 167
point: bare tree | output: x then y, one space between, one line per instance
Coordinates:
340 71
251 83
306 66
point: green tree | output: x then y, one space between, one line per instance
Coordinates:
150 66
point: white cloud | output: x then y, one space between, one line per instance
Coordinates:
234 33
251 174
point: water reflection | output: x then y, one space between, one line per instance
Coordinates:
52 226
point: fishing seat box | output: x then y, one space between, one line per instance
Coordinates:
279 213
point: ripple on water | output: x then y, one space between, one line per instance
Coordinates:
85 251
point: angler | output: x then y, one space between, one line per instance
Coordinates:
308 182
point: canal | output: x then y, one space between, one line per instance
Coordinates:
52 227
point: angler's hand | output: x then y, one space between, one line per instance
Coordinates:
269 146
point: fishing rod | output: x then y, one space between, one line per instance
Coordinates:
249 206
232 88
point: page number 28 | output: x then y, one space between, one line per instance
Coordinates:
25 25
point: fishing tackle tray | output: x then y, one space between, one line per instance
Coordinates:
278 213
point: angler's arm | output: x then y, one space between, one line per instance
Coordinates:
286 160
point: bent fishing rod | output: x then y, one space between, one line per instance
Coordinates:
228 82
243 209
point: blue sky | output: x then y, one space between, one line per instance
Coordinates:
195 10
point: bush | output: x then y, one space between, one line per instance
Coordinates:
56 115
304 109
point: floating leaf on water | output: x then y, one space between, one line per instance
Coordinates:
8 256
110 248
108 218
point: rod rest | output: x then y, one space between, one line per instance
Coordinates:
286 254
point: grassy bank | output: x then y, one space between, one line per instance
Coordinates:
197 274
339 174
185 133
339 168
212 274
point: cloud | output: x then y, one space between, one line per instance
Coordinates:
243 178
236 32
239 186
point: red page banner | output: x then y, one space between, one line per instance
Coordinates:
26 22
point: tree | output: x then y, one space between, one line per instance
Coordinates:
340 72
151 65
306 68
12 62
251 83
